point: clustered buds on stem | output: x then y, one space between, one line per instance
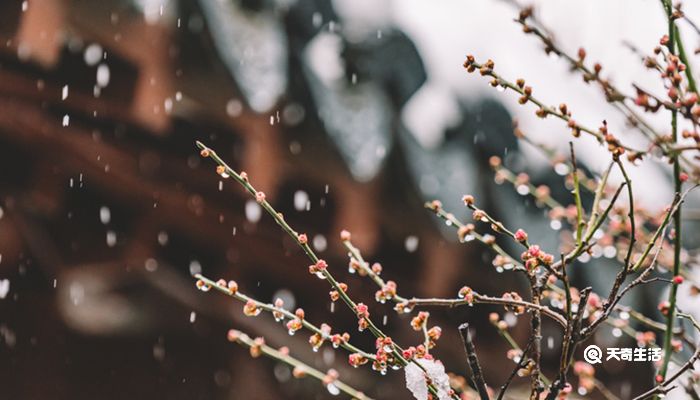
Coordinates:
338 339
362 312
467 294
434 334
419 321
256 347
357 359
302 239
251 308
334 294
318 268
384 356
513 296
464 232
316 340
534 257
387 292
279 316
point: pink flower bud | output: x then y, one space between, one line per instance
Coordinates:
520 235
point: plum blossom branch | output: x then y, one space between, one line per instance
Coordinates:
466 295
329 379
389 351
295 320
563 113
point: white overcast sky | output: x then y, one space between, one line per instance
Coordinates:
446 30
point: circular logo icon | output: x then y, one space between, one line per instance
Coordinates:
593 354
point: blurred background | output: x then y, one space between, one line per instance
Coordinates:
348 114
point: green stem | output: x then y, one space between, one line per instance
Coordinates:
670 318
577 198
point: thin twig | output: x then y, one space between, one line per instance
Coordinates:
473 360
301 368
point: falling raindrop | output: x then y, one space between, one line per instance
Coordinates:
168 105
253 211
411 243
159 351
295 147
103 75
151 265
111 238
555 224
195 267
64 92
105 215
76 293
93 54
4 288
234 108
329 355
301 199
287 298
162 238
282 373
320 243
561 169
66 120
193 317
316 19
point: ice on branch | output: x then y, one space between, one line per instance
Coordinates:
416 379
